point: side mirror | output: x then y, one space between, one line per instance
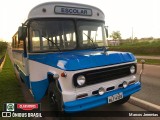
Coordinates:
22 33
106 29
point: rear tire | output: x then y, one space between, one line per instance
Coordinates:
122 101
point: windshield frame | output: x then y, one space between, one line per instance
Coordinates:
77 47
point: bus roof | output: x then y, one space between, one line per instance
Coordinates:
66 10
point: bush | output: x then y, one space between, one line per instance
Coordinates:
3 47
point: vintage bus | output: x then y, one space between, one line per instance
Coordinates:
61 51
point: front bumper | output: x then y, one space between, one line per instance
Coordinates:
98 100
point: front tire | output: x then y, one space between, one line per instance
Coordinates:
52 97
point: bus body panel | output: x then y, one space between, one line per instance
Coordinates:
82 59
42 64
21 64
95 101
38 11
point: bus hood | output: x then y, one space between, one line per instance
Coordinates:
77 60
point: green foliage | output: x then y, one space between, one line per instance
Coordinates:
3 47
116 35
10 90
140 48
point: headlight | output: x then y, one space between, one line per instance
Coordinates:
81 80
132 69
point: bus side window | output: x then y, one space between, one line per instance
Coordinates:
35 40
17 44
20 45
45 43
70 37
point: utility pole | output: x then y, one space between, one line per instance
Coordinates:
132 35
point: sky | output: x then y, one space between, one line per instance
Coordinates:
140 17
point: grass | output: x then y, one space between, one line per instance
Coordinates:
149 61
2 53
140 48
10 90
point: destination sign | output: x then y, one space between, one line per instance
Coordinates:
72 11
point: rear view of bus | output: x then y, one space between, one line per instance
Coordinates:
65 56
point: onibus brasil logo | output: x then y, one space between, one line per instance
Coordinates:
21 110
10 107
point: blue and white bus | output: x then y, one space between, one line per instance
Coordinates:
61 51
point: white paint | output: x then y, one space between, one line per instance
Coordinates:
37 12
61 64
38 72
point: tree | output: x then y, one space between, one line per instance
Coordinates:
3 47
116 35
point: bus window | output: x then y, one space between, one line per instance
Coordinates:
98 36
85 34
46 44
93 35
91 32
70 39
20 44
35 40
51 32
17 44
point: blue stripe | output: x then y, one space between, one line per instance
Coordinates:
82 59
39 89
95 101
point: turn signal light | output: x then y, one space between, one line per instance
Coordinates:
63 74
131 82
82 96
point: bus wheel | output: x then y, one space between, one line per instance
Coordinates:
122 101
52 97
55 99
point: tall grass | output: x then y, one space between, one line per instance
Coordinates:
140 48
10 90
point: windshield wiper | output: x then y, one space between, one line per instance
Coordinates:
103 47
52 43
90 40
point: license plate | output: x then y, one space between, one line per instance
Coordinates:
115 97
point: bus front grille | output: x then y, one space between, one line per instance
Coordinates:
104 74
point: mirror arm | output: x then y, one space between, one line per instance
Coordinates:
141 72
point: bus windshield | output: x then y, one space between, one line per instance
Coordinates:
59 35
91 34
51 35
